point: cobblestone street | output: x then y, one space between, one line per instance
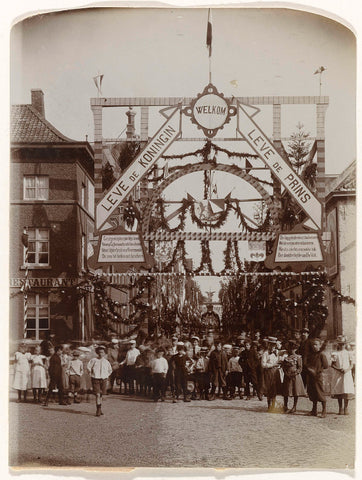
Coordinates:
139 432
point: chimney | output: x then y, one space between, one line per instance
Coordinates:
37 100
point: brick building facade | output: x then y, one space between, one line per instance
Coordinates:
52 198
341 249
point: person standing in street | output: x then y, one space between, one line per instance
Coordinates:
100 370
22 371
159 371
217 367
342 386
130 367
180 372
304 350
55 376
38 375
269 362
292 383
75 372
249 361
316 363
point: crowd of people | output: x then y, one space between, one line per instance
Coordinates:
191 369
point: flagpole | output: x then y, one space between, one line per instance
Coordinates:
210 69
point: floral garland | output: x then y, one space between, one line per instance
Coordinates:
227 257
205 259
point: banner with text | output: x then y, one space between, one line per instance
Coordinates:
263 147
156 147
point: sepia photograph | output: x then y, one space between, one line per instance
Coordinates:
182 261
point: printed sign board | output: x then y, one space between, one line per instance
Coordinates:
298 247
263 147
121 248
156 147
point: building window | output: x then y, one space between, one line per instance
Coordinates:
83 198
38 247
38 323
83 251
36 187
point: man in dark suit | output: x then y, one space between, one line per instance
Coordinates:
249 361
55 375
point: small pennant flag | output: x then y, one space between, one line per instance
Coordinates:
320 70
98 83
209 33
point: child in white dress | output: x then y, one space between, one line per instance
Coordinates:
22 371
342 386
38 374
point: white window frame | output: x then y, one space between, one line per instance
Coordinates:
37 305
37 252
36 187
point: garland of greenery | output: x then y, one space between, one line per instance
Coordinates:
263 228
205 258
180 250
205 153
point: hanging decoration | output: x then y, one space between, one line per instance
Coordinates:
206 209
205 264
232 262
178 254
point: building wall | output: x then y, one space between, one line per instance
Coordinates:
347 262
66 216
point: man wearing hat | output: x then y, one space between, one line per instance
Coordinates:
173 349
129 366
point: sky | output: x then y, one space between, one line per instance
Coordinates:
162 52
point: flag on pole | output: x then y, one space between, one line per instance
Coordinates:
209 33
320 70
98 83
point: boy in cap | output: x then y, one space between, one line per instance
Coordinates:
99 369
202 378
130 367
159 371
180 372
75 371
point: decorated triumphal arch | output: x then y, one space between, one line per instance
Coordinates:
141 237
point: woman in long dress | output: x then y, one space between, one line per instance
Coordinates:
342 387
38 374
292 383
22 371
270 364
